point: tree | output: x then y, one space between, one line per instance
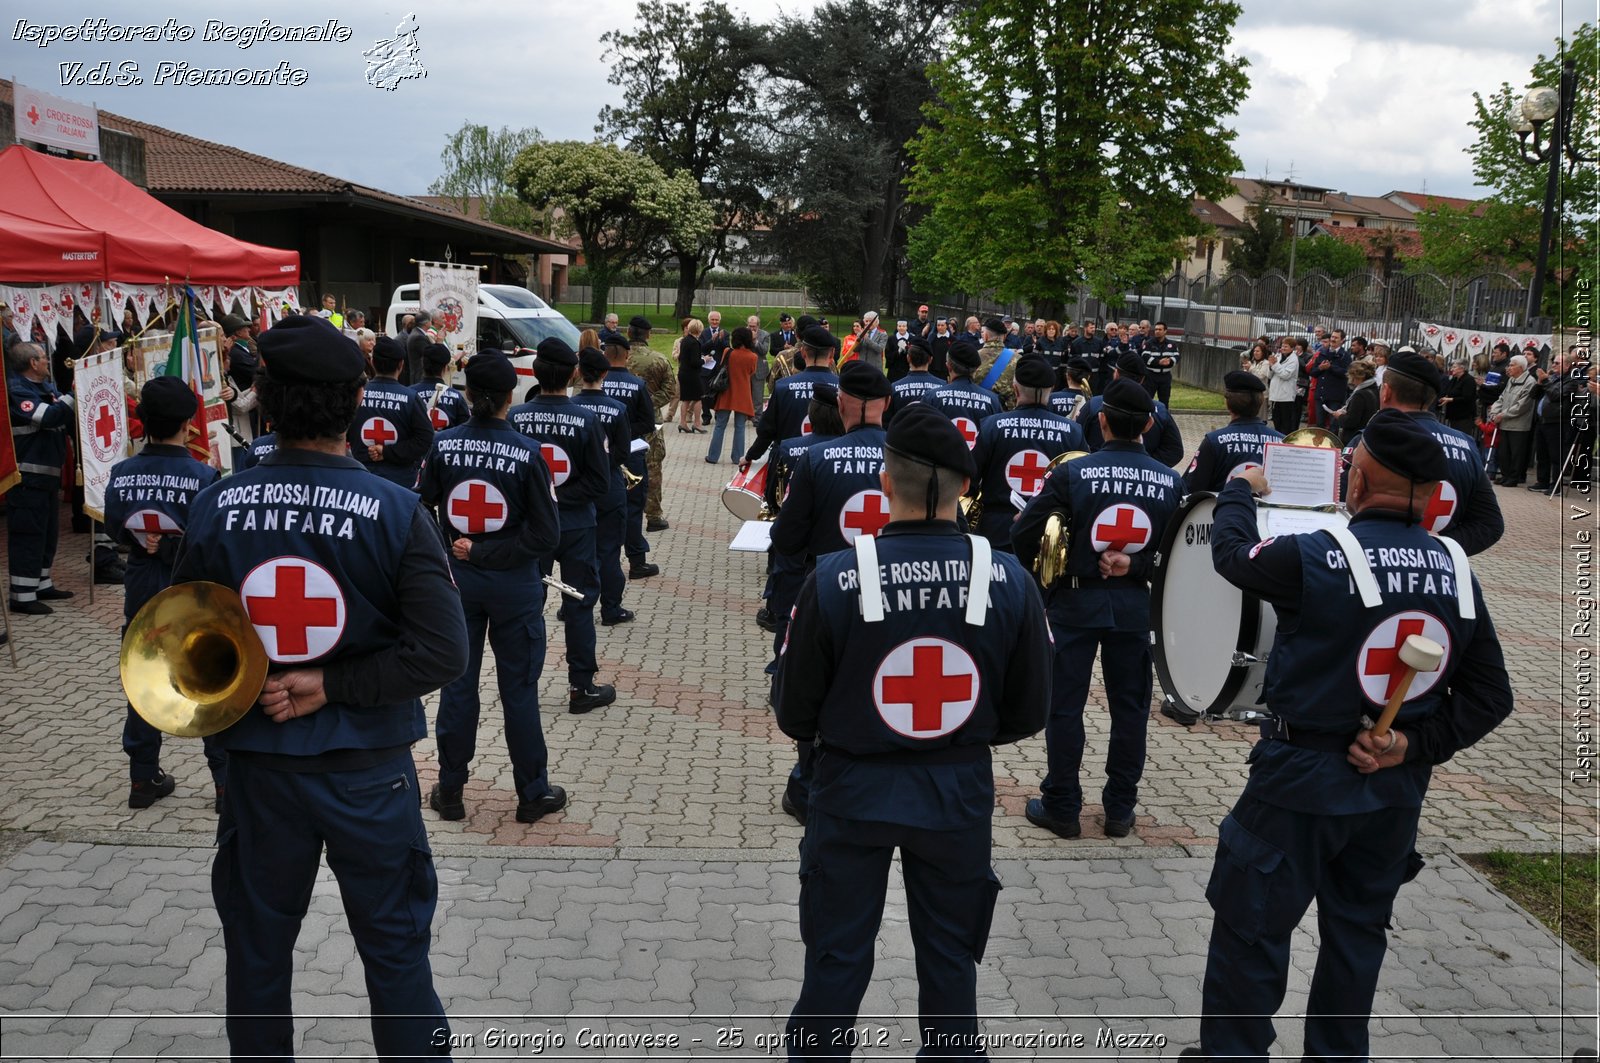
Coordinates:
1333 257
619 204
849 84
1048 109
476 161
690 102
1125 255
1263 245
1504 233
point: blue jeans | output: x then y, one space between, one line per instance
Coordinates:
715 453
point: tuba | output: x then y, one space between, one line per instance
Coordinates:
1050 563
1311 436
191 662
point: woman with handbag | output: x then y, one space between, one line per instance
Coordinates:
732 386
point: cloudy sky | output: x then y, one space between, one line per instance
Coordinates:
1364 95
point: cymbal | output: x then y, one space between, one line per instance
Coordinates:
191 664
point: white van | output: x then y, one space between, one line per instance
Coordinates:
508 316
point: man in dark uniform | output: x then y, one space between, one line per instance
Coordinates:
1238 446
919 381
349 589
629 389
40 418
1162 440
1072 390
1117 502
147 507
259 448
611 512
391 431
882 672
1104 364
492 494
1330 812
1328 369
785 414
446 406
1016 446
964 401
1161 354
415 342
835 496
572 442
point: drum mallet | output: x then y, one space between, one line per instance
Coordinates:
1418 654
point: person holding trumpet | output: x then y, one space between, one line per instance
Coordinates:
1331 807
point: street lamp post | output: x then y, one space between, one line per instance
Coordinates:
1540 106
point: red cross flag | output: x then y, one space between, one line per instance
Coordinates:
152 522
556 460
97 379
477 506
296 607
1378 664
378 432
865 513
1441 507
1025 472
968 429
1122 527
926 688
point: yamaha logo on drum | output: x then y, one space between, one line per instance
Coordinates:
1197 534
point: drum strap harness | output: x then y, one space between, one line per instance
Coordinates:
979 572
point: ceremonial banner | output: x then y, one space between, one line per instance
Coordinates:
97 380
450 294
184 362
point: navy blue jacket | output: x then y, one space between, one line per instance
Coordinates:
40 418
1464 506
786 411
1163 442
488 483
450 411
1227 452
151 493
834 495
911 387
614 417
391 414
1013 449
631 391
573 443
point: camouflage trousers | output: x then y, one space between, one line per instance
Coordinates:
657 454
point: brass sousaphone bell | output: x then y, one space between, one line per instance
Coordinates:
1311 436
192 665
1050 563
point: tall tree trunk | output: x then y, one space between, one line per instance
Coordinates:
688 276
878 240
599 288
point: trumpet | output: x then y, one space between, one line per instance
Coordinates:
1050 563
191 663
630 479
972 508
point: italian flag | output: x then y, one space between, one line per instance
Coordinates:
185 363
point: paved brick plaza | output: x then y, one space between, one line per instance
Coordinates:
668 885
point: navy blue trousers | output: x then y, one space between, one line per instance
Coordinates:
950 895
610 530
1271 863
637 546
33 524
576 554
508 607
1126 666
274 828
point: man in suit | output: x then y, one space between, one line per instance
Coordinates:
762 344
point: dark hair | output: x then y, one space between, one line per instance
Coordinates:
1123 425
158 427
1163 324
486 403
742 337
1243 403
1302 343
825 419
917 354
590 376
306 412
552 377
620 347
910 478
1408 391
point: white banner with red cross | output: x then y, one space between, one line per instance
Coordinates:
450 295
97 380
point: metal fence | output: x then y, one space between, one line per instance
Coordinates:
663 298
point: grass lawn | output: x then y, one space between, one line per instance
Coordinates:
1185 397
1560 891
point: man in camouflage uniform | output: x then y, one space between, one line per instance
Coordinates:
659 376
993 349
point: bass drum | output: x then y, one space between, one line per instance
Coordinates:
1211 640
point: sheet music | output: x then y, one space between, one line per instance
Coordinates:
755 537
1302 476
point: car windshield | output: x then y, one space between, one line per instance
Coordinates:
515 298
530 330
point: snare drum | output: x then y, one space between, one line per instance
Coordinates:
746 493
1211 639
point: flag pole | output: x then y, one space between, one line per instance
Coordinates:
77 417
11 643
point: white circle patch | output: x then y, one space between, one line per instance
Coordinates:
151 522
378 432
556 460
969 430
926 688
476 506
1121 527
1025 472
865 513
1441 507
296 607
1378 665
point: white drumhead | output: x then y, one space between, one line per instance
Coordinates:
1199 615
741 502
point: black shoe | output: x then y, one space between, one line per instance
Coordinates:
793 809
56 594
623 616
1183 716
1540 487
656 524
30 608
1061 828
711 461
643 570
144 794
534 811
110 573
447 803
766 621
597 696
1117 827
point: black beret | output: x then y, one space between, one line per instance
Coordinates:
860 381
1079 365
1415 366
922 433
639 321
387 354
1239 380
491 370
553 350
303 349
1127 396
919 343
803 322
994 324
965 355
826 394
817 338
86 335
167 397
434 355
1130 365
1402 445
1034 372
593 360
